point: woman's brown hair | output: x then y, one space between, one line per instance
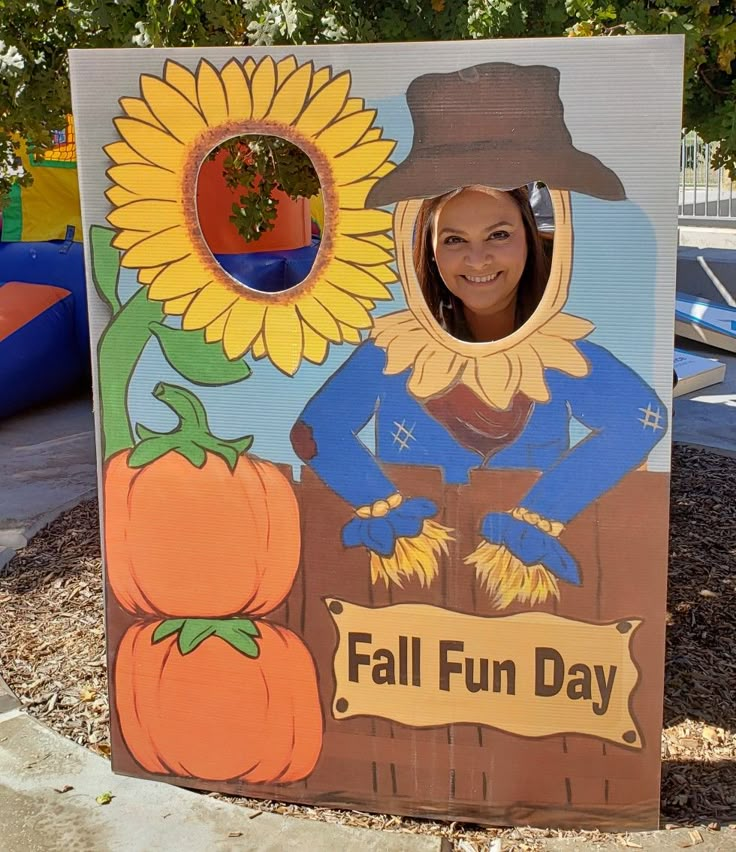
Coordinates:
446 308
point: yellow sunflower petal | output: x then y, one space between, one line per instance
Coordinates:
163 247
361 161
560 354
249 66
176 307
147 214
259 347
361 223
211 95
239 101
320 79
284 69
352 105
136 108
121 153
165 287
568 327
282 331
532 374
495 376
315 346
146 180
182 80
127 239
343 134
350 335
380 240
355 280
148 276
353 197
117 196
359 251
342 306
211 301
189 270
383 170
154 145
172 109
433 372
384 274
290 97
325 105
372 135
319 318
244 322
263 86
216 328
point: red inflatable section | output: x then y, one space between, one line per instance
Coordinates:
214 205
21 303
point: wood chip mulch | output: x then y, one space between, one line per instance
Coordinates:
52 655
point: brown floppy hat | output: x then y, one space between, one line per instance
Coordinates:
497 124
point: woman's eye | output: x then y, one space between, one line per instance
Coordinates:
499 235
453 240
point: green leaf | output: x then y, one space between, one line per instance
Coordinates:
105 265
239 633
104 798
146 452
166 628
194 632
196 360
144 432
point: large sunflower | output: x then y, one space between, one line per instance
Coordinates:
166 134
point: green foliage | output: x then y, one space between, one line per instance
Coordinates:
34 38
259 165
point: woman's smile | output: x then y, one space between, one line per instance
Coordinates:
481 279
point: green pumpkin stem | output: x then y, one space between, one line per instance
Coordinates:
191 438
239 633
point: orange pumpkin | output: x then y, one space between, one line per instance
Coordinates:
182 540
215 713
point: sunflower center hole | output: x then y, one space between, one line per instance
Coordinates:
482 258
260 211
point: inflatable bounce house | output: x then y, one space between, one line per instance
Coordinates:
44 338
44 332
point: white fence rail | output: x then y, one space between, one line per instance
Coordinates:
707 195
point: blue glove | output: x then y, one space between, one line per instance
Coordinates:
380 534
530 545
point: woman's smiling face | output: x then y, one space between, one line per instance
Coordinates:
480 248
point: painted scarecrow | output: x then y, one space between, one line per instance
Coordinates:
457 405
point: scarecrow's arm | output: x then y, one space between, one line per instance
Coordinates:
325 437
627 420
521 556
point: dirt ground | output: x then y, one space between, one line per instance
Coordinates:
52 654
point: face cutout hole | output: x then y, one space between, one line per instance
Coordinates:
256 199
482 257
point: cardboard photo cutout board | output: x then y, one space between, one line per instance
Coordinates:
352 560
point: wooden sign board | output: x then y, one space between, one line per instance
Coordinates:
352 559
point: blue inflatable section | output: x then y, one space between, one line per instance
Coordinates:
270 272
47 356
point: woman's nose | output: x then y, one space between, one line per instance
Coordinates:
479 256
